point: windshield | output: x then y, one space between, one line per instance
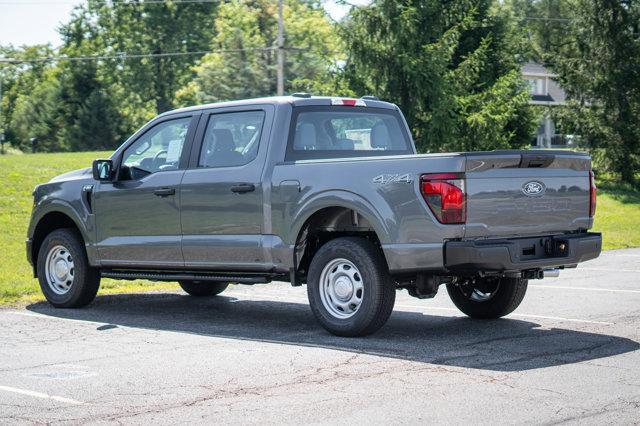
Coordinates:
343 132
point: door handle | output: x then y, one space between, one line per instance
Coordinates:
243 187
164 192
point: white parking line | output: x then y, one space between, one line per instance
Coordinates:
37 315
612 290
561 319
41 395
438 308
26 314
635 271
51 317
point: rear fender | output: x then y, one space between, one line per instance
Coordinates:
336 198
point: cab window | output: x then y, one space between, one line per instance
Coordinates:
158 150
344 132
231 139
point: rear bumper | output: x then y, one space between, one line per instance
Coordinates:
519 254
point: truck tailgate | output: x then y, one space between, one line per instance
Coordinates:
518 193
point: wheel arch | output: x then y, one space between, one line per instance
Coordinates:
46 224
326 221
378 217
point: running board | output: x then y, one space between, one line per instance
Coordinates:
172 276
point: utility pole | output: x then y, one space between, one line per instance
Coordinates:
280 49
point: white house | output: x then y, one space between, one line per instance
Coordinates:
546 91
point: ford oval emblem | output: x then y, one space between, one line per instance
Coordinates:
533 188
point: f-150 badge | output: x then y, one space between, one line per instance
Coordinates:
390 178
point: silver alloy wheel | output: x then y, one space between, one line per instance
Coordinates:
341 288
59 269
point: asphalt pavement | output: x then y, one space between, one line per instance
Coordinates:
569 354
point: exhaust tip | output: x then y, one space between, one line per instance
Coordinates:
551 273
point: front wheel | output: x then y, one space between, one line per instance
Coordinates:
349 288
488 298
66 278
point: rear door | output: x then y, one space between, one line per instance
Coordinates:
526 193
222 212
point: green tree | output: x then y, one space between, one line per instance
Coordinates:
546 25
88 117
19 84
244 62
136 87
95 104
451 66
35 114
150 84
602 79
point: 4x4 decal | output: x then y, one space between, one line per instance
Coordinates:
385 179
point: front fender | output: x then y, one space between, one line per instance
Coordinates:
74 210
58 206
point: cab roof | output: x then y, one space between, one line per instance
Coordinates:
293 100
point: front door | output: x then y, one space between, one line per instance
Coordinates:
138 215
221 195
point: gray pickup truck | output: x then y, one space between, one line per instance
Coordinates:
327 192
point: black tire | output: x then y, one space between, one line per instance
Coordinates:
505 298
378 293
81 279
203 288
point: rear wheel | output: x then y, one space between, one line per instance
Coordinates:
66 278
488 298
349 288
203 288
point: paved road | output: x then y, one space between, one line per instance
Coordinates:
255 355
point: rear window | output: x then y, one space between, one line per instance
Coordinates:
344 132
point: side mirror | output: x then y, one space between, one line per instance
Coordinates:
103 170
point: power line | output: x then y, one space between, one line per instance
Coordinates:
98 57
541 18
16 61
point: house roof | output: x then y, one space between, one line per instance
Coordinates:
534 68
555 94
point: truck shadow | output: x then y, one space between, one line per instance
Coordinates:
499 345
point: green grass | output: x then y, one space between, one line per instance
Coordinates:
618 216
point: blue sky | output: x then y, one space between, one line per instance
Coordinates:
35 21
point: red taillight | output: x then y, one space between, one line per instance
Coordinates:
445 196
592 194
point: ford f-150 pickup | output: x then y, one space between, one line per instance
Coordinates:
327 192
